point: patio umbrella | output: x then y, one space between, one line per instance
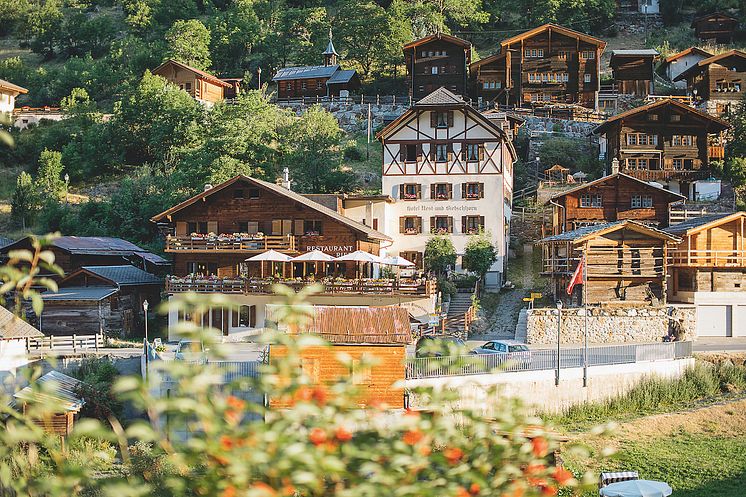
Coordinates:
269 256
359 256
313 256
637 488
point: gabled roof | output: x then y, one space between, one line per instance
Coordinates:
62 392
305 72
580 235
719 124
633 52
711 15
84 293
92 245
438 36
676 197
282 191
710 60
684 53
691 226
342 76
487 60
11 326
122 275
559 29
13 87
440 97
204 75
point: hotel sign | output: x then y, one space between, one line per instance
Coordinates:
441 208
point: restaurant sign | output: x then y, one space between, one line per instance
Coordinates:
335 250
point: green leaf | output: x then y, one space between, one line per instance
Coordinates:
21 254
37 303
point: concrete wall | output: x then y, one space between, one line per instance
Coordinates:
536 389
608 325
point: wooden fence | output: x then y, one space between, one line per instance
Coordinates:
681 215
67 342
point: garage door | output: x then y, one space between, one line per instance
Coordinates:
714 321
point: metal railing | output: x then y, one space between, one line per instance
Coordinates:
68 342
349 100
544 359
231 370
231 244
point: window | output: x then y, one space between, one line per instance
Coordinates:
682 140
562 54
303 85
246 316
254 193
201 268
319 85
652 117
441 119
471 152
434 70
243 226
441 224
588 55
410 225
413 257
441 152
587 77
361 374
641 139
639 163
424 54
642 201
188 86
590 200
678 164
238 193
197 227
409 152
728 86
472 191
675 118
688 164
441 191
312 227
472 224
409 191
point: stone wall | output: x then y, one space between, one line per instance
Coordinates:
611 325
353 117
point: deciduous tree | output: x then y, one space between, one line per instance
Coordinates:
440 255
189 43
479 254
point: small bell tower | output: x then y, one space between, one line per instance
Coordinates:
330 55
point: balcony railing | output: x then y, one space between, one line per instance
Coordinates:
259 243
665 174
716 152
708 258
252 286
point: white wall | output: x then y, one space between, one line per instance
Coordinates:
7 101
649 6
680 65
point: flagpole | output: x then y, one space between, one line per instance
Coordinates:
585 305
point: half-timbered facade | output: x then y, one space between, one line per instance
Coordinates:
625 263
665 141
717 83
612 198
211 235
717 26
435 61
449 170
633 71
201 85
547 64
708 269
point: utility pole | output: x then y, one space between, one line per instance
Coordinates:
370 126
559 328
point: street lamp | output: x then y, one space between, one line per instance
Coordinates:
559 327
145 306
259 71
67 185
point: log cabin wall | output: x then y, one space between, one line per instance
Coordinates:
490 79
311 87
716 27
81 318
633 74
449 61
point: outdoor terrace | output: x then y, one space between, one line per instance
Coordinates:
249 243
707 258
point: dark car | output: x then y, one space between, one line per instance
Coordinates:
439 346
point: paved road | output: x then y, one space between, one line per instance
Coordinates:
712 344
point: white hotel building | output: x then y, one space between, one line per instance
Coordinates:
449 170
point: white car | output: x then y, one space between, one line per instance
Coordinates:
507 349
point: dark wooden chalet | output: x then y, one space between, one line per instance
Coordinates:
214 232
201 85
625 263
717 83
317 81
716 26
665 141
100 299
73 252
547 64
612 198
435 61
633 71
57 389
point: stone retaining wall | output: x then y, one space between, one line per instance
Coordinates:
612 325
354 117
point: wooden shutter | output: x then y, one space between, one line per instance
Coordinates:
481 222
287 226
212 227
432 151
181 228
480 147
419 191
299 227
403 152
463 224
252 316
433 119
450 118
401 192
481 190
277 226
418 224
432 224
432 191
375 223
450 191
463 190
464 148
401 224
450 224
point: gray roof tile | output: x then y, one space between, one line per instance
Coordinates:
11 326
441 96
124 275
92 293
305 72
696 222
341 76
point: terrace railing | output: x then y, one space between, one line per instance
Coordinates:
708 258
64 343
207 244
544 359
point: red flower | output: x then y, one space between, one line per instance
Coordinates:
548 491
235 403
561 475
540 446
226 442
411 437
474 489
342 435
461 492
303 394
320 395
453 454
317 436
426 450
230 491
533 469
516 492
288 489
263 489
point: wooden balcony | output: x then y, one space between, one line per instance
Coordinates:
708 258
256 286
716 152
205 244
666 174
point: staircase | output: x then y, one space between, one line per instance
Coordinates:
460 315
521 326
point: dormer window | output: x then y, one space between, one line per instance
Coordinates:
441 119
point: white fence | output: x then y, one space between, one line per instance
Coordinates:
68 342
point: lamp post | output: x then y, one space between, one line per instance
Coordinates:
145 306
67 185
259 72
559 327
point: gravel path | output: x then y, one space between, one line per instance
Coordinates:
503 320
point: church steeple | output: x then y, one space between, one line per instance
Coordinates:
330 55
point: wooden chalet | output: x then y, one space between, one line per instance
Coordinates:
665 141
716 26
547 64
436 61
59 392
73 252
634 71
678 63
8 94
375 338
625 263
317 81
615 197
717 83
100 299
201 85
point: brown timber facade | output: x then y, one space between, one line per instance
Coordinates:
435 61
716 26
633 71
718 83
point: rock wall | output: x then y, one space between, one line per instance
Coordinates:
613 325
541 129
353 117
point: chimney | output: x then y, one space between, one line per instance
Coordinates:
208 186
615 166
286 178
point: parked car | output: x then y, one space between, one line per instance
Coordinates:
508 350
439 346
191 351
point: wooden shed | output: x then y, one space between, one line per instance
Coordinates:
380 334
633 71
715 26
625 263
201 85
56 396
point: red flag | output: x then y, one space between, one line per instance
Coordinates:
577 277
